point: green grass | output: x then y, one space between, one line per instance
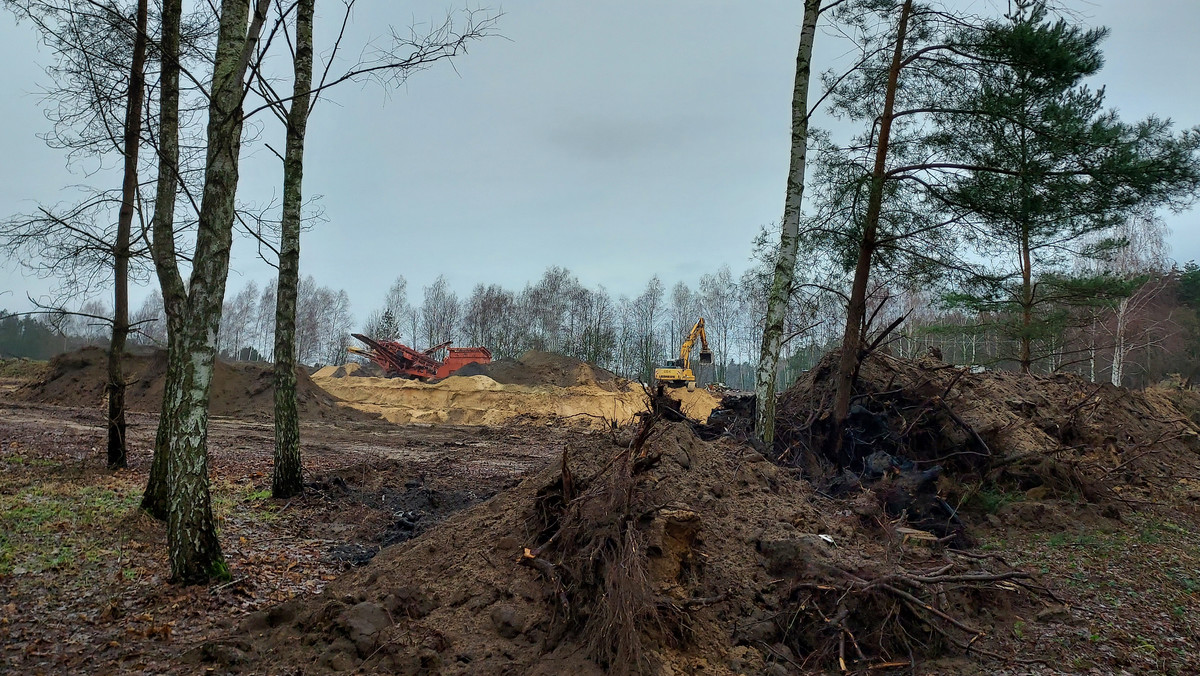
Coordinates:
50 527
990 500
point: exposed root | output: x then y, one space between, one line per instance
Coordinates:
594 554
890 617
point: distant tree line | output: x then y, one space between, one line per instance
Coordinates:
1145 331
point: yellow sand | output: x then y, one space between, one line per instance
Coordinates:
479 400
325 372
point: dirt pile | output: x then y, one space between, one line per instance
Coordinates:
394 511
537 388
21 369
1050 438
656 554
240 389
546 368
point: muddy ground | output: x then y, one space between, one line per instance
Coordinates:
1113 586
82 571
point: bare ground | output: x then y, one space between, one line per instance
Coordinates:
82 573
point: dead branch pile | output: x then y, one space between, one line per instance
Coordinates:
1061 435
889 618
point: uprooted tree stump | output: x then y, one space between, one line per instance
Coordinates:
592 550
601 548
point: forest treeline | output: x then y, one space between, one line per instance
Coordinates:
1149 334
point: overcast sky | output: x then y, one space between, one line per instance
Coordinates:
617 138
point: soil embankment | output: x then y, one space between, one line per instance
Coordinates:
239 389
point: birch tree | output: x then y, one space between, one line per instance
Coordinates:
391 67
789 237
105 77
195 308
287 477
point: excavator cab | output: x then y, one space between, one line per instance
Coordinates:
705 356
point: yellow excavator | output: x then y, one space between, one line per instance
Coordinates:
679 374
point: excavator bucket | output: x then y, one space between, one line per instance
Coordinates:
705 356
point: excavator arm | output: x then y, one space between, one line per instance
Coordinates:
685 351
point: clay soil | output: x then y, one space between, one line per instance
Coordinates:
548 549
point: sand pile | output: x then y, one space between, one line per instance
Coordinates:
537 387
240 389
356 369
666 555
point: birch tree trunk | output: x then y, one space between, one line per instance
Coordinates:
121 255
1120 348
789 236
857 308
1092 350
154 501
195 553
287 479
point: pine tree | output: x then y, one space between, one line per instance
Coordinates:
1065 172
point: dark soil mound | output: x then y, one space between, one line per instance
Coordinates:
927 437
546 368
239 389
364 370
664 555
21 369
409 507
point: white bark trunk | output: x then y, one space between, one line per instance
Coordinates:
789 236
1119 347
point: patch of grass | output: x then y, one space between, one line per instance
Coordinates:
991 499
54 526
260 495
1153 531
31 462
1187 583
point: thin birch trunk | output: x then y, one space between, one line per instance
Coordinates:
789 237
1119 345
154 501
287 479
121 254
